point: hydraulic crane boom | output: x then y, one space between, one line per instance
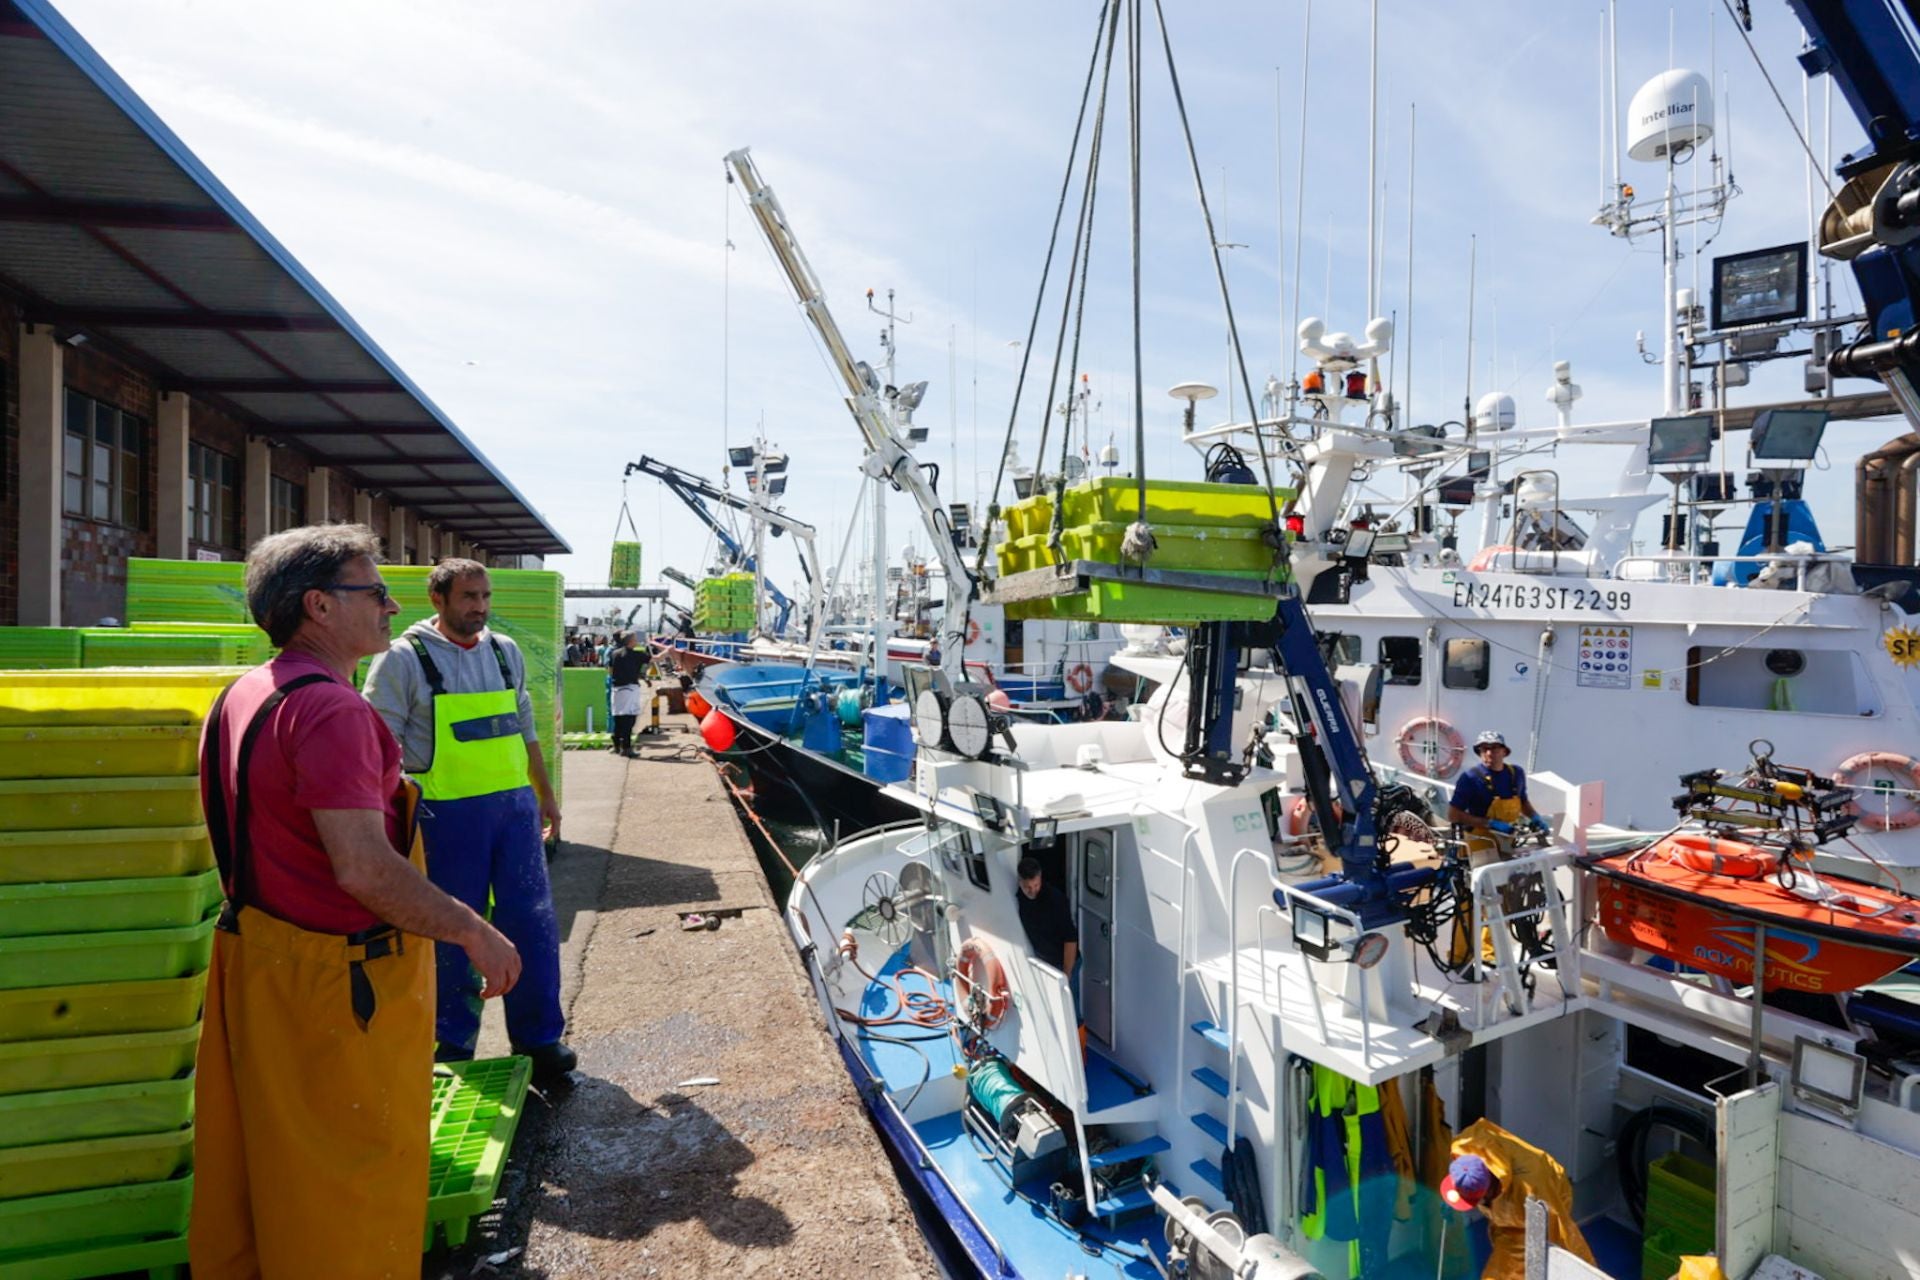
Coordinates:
887 457
696 492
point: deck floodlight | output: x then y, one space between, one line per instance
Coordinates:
1787 435
741 455
1312 931
988 809
1022 485
1680 442
910 396
1044 830
775 487
773 463
916 434
866 373
1831 1080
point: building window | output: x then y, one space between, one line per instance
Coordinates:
105 462
213 496
289 503
1464 664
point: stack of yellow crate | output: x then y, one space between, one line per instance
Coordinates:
107 901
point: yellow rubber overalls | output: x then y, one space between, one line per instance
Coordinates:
314 1079
1524 1171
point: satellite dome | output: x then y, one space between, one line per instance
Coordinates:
1494 411
1671 112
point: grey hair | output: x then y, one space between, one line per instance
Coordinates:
450 571
282 568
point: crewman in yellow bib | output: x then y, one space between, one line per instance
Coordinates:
1497 1173
1490 799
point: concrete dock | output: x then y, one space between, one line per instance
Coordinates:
634 1171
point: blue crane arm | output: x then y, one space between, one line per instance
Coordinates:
695 492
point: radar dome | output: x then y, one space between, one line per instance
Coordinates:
1494 411
1671 112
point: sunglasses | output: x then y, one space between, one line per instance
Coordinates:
379 589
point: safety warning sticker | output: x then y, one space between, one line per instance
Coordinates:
1606 657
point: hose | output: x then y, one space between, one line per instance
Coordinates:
1631 1143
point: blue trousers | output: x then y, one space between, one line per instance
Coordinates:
492 843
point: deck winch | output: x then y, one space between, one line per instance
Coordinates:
1018 1133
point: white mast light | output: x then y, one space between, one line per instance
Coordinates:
1671 113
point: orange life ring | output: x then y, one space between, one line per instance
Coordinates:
1712 856
979 971
1881 818
973 631
1440 754
1300 815
1487 555
1080 679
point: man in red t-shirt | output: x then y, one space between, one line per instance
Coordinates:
315 1067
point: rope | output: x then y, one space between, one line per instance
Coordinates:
1139 541
626 514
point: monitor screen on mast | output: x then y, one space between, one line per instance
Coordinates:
1680 442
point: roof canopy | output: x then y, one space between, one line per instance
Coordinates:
110 227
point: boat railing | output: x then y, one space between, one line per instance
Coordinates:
1692 563
1332 911
1495 913
1240 858
1181 953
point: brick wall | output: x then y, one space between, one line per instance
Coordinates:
207 425
9 466
94 553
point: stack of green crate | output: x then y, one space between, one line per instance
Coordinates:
39 648
527 606
1219 530
107 900
1681 1201
118 647
724 605
624 570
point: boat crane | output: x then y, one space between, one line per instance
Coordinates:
696 492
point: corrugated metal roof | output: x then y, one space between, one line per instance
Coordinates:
109 226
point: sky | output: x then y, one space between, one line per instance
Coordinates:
526 207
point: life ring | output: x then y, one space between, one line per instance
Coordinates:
1715 857
1881 817
973 631
1484 560
1080 678
979 971
1442 743
1300 815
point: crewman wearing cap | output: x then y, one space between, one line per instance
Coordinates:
1497 1173
1490 799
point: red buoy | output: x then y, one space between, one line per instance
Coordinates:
697 705
717 730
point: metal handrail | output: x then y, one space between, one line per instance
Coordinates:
1482 881
1233 984
1070 1042
1306 967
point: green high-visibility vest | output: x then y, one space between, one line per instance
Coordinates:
477 747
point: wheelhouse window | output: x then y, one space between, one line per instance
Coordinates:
104 462
1400 659
288 502
1465 664
213 496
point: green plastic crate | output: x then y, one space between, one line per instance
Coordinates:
1681 1201
84 1062
39 648
152 696
53 1167
101 1008
105 1111
1139 602
74 804
1116 499
117 955
99 751
116 647
54 1237
476 1108
81 906
111 853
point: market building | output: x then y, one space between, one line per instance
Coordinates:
173 382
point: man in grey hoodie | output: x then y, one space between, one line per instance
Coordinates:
455 695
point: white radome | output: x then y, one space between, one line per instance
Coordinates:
1672 111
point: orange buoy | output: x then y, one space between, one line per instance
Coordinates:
697 706
717 730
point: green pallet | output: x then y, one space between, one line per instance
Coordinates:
95 1233
476 1108
81 1063
112 853
115 955
101 1008
82 906
54 1167
105 1111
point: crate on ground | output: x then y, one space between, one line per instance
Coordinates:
80 906
101 1008
1681 1201
76 804
99 751
476 1108
94 1233
109 853
104 1111
85 1062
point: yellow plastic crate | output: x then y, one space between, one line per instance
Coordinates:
101 1008
1143 603
82 1062
110 853
99 751
111 955
150 695
54 1167
105 1111
76 804
82 906
1184 548
1116 499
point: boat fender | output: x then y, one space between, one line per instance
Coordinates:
980 974
1080 679
1715 857
1484 560
1880 817
1430 736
